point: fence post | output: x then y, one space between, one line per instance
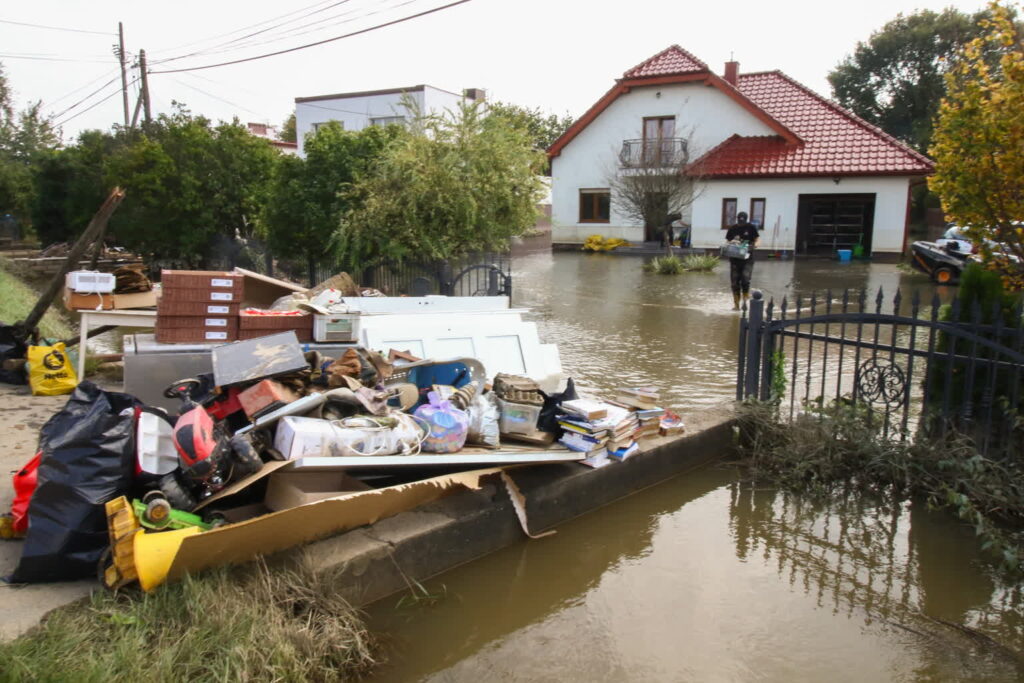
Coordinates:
752 364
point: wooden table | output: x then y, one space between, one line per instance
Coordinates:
138 317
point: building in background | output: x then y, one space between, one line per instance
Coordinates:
357 110
813 176
271 133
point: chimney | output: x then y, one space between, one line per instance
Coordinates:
732 70
475 94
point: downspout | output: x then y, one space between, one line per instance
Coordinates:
906 219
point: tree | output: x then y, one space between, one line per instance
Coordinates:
454 184
542 128
287 133
188 183
979 146
308 197
656 182
23 136
895 80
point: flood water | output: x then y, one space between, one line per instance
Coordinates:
704 577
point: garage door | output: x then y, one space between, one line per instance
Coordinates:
829 222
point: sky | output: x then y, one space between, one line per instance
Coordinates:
558 55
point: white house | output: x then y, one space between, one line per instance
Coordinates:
813 176
357 110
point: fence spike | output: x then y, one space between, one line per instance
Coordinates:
814 302
936 305
862 299
896 301
828 301
915 303
846 299
770 309
879 300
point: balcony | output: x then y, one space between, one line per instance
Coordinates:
657 153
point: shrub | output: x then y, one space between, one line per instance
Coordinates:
665 265
700 263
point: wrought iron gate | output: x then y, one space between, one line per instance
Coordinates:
936 368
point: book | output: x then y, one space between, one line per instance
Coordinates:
580 428
586 408
597 459
583 441
637 402
650 393
581 446
623 453
649 413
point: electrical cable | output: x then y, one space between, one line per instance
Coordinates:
65 111
221 99
319 42
90 107
56 28
56 59
81 87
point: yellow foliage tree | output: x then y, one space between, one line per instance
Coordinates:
978 146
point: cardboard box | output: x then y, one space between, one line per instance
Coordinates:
205 308
170 335
189 322
210 295
287 490
263 395
204 280
252 326
107 302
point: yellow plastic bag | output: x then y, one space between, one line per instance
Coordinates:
49 371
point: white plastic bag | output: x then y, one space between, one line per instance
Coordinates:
484 419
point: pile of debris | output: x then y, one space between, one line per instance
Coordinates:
282 444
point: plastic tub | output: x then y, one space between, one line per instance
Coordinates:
844 255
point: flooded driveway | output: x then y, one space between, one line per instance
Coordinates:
704 577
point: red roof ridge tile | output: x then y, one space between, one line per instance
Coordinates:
700 65
904 147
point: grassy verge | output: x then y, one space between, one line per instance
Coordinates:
243 624
673 265
17 300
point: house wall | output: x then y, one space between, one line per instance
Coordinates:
703 113
782 200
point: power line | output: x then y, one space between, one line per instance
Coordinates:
319 42
80 88
55 59
91 107
57 116
221 99
56 28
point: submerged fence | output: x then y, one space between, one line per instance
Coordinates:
931 370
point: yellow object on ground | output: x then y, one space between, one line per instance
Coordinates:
599 243
154 553
50 372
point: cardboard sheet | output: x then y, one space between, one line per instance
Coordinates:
288 528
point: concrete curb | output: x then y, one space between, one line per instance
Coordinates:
377 561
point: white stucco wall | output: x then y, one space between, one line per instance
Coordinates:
354 113
586 162
782 201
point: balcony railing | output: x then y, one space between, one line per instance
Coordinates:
659 153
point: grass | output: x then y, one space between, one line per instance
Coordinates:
17 300
246 623
673 265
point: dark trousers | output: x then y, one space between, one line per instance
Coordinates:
740 271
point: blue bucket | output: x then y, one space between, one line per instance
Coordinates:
844 255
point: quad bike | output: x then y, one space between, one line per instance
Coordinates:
208 458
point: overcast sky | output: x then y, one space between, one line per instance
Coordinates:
560 55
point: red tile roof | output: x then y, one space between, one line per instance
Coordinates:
834 141
669 62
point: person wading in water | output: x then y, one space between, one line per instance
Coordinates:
740 269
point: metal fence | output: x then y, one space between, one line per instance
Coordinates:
930 370
478 274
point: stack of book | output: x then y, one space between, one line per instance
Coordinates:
671 424
643 401
597 429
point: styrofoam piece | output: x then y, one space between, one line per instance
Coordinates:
155 445
90 282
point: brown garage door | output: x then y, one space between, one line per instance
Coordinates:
837 221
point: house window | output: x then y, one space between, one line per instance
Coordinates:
317 127
595 206
659 132
387 120
757 212
729 212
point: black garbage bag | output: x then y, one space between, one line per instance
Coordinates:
88 458
547 421
12 347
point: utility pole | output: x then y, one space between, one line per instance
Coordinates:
124 72
147 113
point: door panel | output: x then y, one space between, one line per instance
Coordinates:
829 222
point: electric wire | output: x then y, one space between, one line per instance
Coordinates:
220 99
55 59
87 97
56 28
317 43
117 91
81 87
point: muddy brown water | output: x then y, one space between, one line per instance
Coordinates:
704 578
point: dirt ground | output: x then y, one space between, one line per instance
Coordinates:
21 417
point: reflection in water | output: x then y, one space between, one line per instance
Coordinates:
708 578
704 577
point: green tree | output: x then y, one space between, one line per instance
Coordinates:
308 197
978 146
895 80
287 133
23 136
187 183
454 184
542 128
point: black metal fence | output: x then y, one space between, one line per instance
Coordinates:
931 370
479 274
